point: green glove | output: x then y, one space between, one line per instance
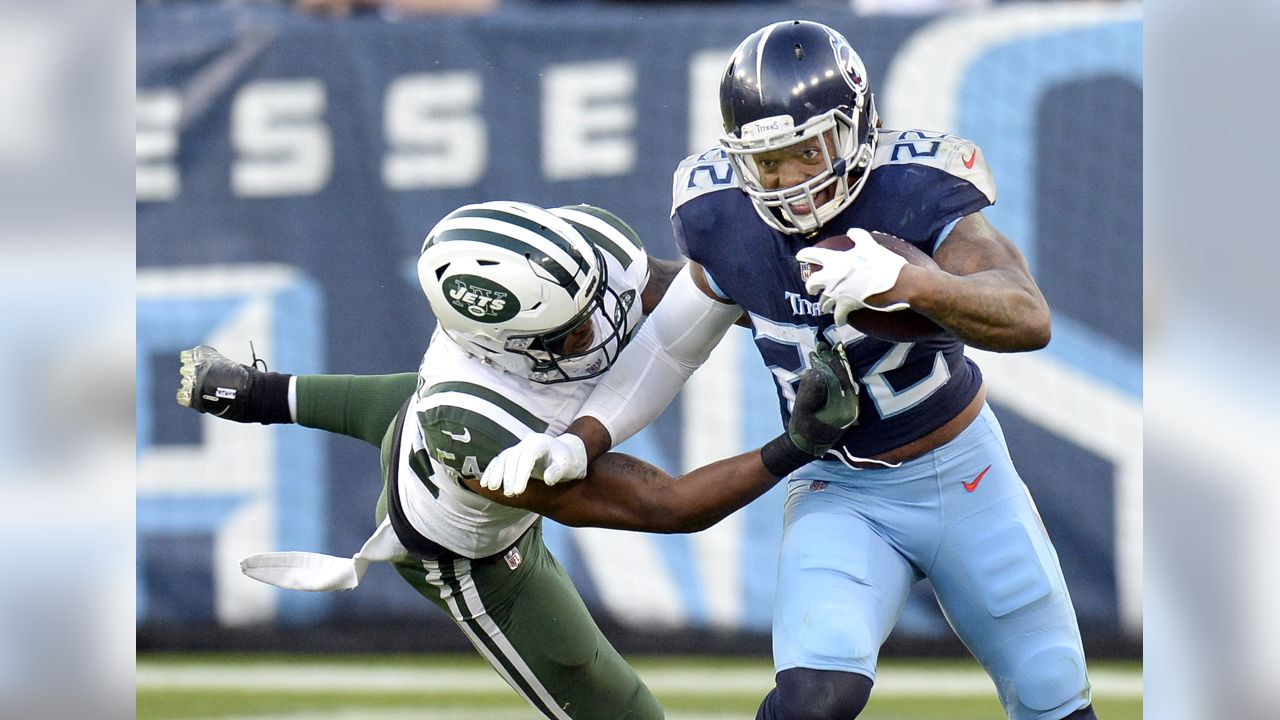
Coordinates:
826 401
826 405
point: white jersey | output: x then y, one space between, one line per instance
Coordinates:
466 411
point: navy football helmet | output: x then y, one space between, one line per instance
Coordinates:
787 83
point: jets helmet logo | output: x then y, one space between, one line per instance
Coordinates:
481 299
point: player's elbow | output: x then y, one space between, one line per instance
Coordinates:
691 524
669 519
1030 332
1039 329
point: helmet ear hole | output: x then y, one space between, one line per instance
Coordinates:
440 271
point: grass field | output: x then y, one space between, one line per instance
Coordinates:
462 687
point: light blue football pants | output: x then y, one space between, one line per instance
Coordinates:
854 541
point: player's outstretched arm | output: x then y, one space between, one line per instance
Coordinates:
678 337
626 493
360 406
661 273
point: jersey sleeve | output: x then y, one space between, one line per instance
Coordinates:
465 426
361 406
959 159
700 174
932 179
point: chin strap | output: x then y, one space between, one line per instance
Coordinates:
315 572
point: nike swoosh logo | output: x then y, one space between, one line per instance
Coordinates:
973 485
464 437
968 164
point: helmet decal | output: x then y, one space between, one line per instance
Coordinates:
482 299
778 123
849 61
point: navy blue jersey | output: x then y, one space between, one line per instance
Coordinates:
919 184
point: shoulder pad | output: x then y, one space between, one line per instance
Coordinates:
954 155
698 175
465 426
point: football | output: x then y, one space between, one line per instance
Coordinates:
899 326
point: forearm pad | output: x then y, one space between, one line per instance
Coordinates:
782 457
268 399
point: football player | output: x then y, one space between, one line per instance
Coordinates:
923 486
532 307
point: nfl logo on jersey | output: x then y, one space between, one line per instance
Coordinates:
805 271
513 558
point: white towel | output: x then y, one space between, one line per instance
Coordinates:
315 572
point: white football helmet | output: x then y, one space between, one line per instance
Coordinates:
509 281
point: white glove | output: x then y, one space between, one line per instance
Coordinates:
559 459
849 277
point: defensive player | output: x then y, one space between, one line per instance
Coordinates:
533 307
923 486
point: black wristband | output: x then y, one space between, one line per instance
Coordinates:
268 398
781 456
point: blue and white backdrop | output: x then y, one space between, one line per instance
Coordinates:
288 168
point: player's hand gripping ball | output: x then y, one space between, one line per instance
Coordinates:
904 325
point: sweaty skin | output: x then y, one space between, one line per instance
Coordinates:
791 166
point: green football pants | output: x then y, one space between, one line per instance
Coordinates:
518 608
522 613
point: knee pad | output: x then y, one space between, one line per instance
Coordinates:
842 639
842 636
1051 679
805 694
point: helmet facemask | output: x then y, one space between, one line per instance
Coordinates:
798 81
846 162
549 363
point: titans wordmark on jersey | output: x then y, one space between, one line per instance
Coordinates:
465 412
920 183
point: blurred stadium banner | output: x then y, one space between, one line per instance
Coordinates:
288 168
